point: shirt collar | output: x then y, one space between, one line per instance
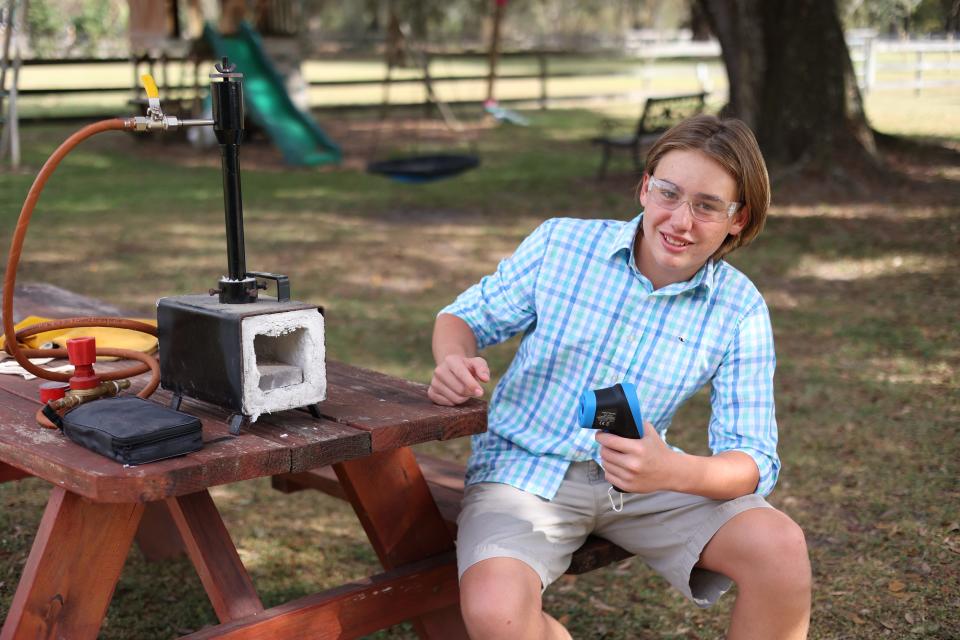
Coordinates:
622 241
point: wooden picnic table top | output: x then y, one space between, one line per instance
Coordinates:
365 412
96 505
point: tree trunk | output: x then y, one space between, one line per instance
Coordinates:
699 26
494 52
791 79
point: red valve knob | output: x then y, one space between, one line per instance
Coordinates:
52 391
83 353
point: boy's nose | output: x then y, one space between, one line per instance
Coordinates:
682 216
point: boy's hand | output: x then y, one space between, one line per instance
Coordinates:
457 379
637 466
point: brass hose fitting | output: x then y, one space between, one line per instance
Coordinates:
103 390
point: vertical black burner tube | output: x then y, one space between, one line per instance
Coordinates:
227 97
228 127
233 211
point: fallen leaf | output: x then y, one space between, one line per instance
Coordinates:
908 617
564 619
888 625
896 586
856 619
600 605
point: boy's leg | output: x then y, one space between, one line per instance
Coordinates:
511 545
702 546
764 552
501 598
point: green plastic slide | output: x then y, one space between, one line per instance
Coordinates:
298 136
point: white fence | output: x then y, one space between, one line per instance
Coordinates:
879 63
905 64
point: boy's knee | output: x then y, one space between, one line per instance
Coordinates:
500 598
777 550
762 549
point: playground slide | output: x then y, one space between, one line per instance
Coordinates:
297 135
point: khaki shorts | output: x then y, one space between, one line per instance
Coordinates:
668 530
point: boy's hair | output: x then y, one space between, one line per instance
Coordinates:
731 144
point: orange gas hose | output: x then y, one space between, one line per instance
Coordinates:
9 280
106 321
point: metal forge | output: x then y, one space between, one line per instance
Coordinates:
232 347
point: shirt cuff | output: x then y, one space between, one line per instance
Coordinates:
769 470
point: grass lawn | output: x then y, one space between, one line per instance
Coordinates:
861 284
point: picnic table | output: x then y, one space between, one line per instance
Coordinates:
97 507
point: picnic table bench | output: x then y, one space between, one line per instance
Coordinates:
445 480
659 114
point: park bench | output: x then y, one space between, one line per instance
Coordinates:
659 114
445 480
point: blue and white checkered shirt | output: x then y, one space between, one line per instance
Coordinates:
590 319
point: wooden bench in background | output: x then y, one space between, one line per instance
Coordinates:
445 480
659 114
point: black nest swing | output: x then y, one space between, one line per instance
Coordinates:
417 169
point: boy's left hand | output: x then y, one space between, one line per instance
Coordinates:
637 466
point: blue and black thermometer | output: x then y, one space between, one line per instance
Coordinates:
614 410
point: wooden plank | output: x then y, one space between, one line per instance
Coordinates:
389 412
72 569
395 412
313 442
49 301
50 455
462 420
353 610
595 553
445 480
391 497
208 543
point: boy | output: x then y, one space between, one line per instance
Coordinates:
649 301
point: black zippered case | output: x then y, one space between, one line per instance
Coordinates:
132 430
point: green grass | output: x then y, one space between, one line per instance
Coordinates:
862 291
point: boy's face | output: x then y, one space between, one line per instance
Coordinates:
675 244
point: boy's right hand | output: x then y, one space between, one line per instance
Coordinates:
457 378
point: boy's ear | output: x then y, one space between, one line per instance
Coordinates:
740 219
642 189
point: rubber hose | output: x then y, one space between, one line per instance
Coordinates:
9 281
70 323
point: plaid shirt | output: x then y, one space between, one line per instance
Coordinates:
590 319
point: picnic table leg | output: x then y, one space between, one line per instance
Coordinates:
402 521
72 569
9 472
208 543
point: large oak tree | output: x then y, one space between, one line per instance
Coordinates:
792 81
